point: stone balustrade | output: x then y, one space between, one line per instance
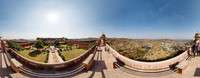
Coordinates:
41 65
4 45
145 66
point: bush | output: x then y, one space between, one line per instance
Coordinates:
91 44
60 50
63 57
69 45
47 57
28 48
14 46
60 54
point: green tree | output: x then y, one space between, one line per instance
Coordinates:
91 44
39 44
43 42
14 46
57 42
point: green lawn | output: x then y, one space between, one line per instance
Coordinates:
72 53
46 47
63 46
34 55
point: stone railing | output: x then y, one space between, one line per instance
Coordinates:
41 65
139 65
4 45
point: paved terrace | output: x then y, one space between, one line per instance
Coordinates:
5 69
102 69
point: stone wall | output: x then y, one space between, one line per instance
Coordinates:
23 44
40 65
80 43
139 65
27 44
4 45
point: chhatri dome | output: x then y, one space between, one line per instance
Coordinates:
197 36
103 36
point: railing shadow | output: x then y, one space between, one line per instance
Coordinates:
5 72
98 66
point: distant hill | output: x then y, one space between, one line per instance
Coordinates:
23 39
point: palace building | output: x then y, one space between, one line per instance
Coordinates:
81 43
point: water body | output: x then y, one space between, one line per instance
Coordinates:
145 47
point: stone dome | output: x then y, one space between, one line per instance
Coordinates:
197 35
102 36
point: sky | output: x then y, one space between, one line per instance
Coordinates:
137 19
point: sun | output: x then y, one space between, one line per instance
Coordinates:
52 17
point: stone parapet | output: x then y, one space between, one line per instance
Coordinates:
15 65
4 45
145 66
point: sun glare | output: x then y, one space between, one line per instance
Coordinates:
52 17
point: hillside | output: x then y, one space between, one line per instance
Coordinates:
148 50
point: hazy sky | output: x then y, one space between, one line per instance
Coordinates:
174 19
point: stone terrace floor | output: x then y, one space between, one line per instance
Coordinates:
102 69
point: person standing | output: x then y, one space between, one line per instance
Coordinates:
198 49
193 49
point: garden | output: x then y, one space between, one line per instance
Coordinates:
40 52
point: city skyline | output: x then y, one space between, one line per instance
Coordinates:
138 19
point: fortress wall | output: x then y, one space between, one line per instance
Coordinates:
40 65
27 44
149 65
81 44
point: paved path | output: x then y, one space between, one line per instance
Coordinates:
53 56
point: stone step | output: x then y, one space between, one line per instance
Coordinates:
3 61
6 59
